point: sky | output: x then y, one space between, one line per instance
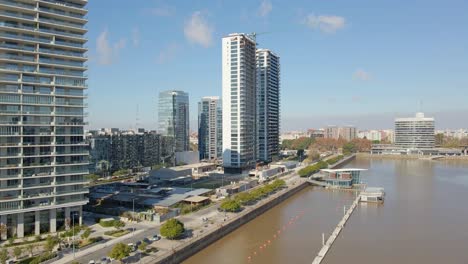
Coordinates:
360 62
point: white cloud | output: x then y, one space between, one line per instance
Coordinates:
197 30
167 54
265 8
136 37
362 75
107 53
327 24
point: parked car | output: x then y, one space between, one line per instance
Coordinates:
147 240
105 260
91 262
155 238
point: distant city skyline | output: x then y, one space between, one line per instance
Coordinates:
347 66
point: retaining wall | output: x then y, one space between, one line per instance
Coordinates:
199 243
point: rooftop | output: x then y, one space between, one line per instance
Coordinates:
191 166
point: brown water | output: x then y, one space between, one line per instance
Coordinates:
424 220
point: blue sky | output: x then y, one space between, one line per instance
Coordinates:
360 62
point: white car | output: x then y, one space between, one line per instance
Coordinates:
91 262
155 238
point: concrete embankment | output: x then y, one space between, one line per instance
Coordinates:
198 243
407 157
343 162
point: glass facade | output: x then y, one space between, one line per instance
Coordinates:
173 118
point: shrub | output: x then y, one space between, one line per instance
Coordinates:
172 229
119 251
230 205
309 170
112 223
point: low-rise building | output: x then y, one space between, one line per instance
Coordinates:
342 178
189 171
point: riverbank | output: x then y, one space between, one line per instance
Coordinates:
199 242
407 157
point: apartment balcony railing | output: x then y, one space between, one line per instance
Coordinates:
63 23
12 14
16 57
64 3
16 36
17 4
65 53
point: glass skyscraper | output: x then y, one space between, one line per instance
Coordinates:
173 118
43 155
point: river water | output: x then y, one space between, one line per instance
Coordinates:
424 220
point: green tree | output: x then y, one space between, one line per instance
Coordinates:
4 256
230 205
17 251
172 229
349 148
119 251
119 224
142 246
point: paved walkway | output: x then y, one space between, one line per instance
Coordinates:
70 258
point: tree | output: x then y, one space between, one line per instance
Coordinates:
30 249
119 224
4 256
119 251
142 246
230 205
349 148
439 139
17 251
172 229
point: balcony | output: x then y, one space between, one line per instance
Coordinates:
17 15
66 4
16 57
63 23
17 4
63 53
60 62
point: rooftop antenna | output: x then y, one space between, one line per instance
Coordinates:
137 118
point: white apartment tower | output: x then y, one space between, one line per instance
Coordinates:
239 102
210 129
268 104
415 132
43 155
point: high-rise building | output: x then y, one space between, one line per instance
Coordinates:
348 133
268 104
43 154
99 153
174 118
132 150
210 130
239 102
415 132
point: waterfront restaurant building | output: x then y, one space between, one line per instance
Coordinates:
342 178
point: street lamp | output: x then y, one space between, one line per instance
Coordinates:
73 232
133 216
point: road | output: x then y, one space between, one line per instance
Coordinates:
192 222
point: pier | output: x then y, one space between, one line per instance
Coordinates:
323 252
